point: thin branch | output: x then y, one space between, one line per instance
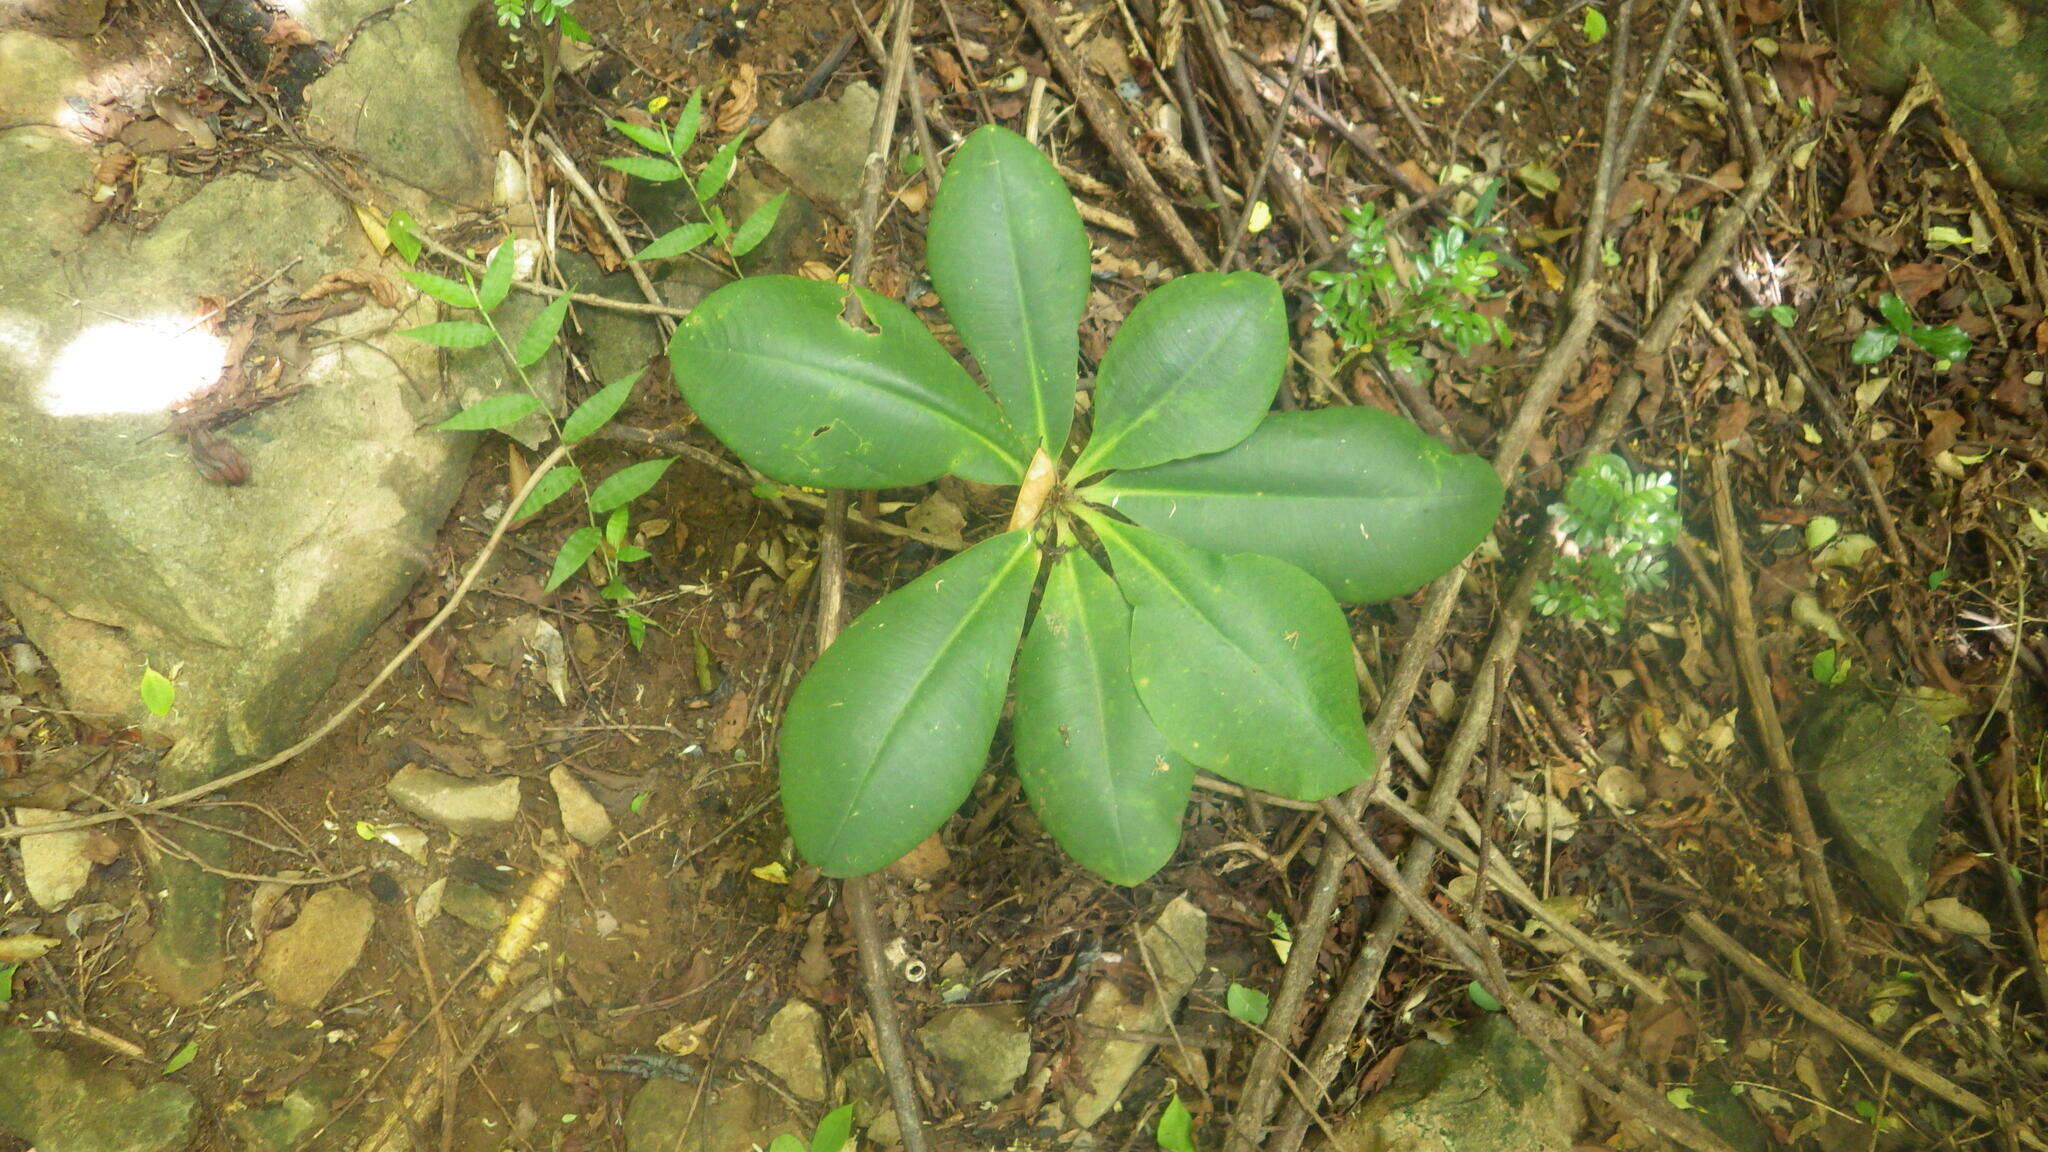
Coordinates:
1756 683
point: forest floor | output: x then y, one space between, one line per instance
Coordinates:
1884 523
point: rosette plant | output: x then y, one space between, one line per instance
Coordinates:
1233 533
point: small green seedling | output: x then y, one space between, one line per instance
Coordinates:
667 144
516 14
603 535
158 692
1947 343
1247 1004
1372 308
1783 315
1614 527
1176 1130
832 1134
1233 533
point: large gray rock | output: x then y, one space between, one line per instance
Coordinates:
55 17
119 554
1486 1091
1881 772
54 865
62 1103
402 98
984 1048
1175 944
302 963
37 75
793 1048
464 807
821 147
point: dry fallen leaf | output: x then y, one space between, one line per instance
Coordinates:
740 101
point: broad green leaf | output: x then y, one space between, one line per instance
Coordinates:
1594 25
1243 662
183 1056
627 484
492 414
651 137
717 170
786 1142
452 334
404 233
497 279
834 1130
1895 313
558 480
1247 1004
1176 1131
1098 774
676 241
886 735
540 332
157 691
575 551
685 132
1009 259
1947 342
615 527
1193 370
450 292
755 228
1873 345
1482 997
597 411
776 373
1358 498
646 168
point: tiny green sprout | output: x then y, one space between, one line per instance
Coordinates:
7 972
1783 315
1373 309
1481 997
183 1056
1176 1130
157 690
1613 529
1830 667
1947 343
832 1134
1247 1004
1594 25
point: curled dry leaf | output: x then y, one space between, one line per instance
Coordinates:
379 287
740 101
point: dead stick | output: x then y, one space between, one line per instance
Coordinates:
1756 682
1213 21
1567 1045
1849 1032
1271 148
890 1050
1111 130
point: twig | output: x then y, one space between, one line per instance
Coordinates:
1566 1045
1213 20
1731 75
1358 141
1756 682
355 702
890 1051
1271 148
1848 1031
1111 130
1394 91
609 222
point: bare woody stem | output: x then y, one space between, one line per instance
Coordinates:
1039 478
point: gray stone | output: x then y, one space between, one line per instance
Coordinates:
984 1048
1881 772
119 553
1486 1091
1176 944
862 1084
737 1118
302 963
279 1125
63 1103
583 818
54 865
793 1048
615 344
822 146
402 98
464 807
55 17
475 905
36 76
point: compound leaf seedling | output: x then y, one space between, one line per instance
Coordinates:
1213 640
